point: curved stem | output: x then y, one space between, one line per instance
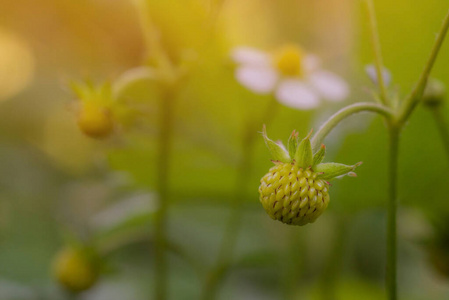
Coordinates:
130 77
160 235
391 267
377 52
411 101
442 127
342 114
233 226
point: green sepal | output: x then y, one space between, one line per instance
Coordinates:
319 156
278 153
86 91
292 143
303 155
329 171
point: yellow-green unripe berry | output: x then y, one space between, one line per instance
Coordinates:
73 269
95 121
96 116
296 190
292 195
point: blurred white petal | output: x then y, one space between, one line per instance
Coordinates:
329 85
250 56
311 63
372 74
257 79
295 94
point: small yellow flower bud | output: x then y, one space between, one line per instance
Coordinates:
435 93
288 60
95 120
74 271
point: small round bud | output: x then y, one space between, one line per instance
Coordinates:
435 93
74 270
95 120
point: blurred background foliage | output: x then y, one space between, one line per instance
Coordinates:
55 180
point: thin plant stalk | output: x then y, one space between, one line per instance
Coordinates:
377 53
226 252
166 73
163 167
416 95
391 268
344 113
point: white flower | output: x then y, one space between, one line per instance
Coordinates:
294 77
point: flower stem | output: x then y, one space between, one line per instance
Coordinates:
233 226
160 235
413 99
442 127
377 52
155 50
342 114
391 267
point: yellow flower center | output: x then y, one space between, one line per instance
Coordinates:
95 120
288 60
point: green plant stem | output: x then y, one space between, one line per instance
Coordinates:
156 53
226 252
377 53
442 127
391 267
342 114
416 95
163 166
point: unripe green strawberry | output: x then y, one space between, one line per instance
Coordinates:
97 109
293 195
296 190
75 270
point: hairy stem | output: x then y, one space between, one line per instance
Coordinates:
226 252
160 235
413 99
377 52
442 127
342 114
391 267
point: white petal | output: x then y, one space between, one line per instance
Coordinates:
329 85
311 63
250 56
296 94
257 79
372 74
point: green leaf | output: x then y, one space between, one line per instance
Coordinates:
319 156
277 152
292 143
331 170
303 156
